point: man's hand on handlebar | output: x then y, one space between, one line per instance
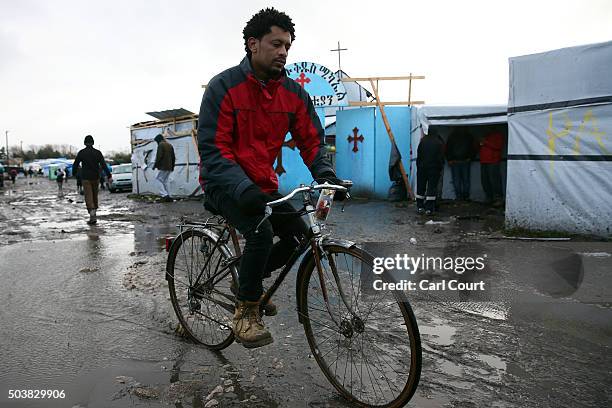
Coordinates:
331 178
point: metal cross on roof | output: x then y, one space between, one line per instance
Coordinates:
339 50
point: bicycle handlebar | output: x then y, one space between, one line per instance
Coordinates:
309 188
268 210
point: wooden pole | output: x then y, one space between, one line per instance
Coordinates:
410 89
391 137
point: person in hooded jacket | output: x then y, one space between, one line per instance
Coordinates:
164 163
245 115
430 162
91 162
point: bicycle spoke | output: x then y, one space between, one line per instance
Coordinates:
367 353
200 288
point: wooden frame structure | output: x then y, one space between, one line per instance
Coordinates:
381 106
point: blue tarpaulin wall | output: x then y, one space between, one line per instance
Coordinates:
368 167
296 171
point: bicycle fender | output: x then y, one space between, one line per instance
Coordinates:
307 259
345 243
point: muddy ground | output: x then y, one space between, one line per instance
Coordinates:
85 309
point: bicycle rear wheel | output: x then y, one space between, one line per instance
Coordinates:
201 276
372 356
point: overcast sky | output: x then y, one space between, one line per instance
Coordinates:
70 68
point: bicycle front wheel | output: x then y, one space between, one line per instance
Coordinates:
201 279
366 342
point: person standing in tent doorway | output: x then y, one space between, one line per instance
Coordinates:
459 154
60 174
245 114
164 163
491 147
430 161
91 162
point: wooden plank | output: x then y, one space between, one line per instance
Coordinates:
410 88
391 137
394 78
158 123
363 103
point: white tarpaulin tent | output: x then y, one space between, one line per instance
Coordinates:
180 133
560 140
445 118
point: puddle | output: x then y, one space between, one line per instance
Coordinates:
493 361
440 334
451 368
460 384
595 254
490 310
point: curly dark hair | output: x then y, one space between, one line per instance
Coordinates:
260 24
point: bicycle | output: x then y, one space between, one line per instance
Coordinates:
366 342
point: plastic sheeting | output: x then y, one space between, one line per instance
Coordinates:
183 181
560 147
460 115
561 78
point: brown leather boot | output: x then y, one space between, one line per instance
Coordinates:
248 326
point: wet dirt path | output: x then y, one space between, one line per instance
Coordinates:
86 309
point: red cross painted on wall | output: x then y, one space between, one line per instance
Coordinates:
302 80
354 139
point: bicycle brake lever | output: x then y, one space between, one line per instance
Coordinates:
267 213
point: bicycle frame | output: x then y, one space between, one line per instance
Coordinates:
314 243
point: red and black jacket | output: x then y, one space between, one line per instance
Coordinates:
242 127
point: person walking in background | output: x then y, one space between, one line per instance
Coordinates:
430 161
459 154
1 175
59 177
164 163
13 174
79 180
92 163
491 147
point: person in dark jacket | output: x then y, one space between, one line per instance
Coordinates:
430 161
13 175
164 163
459 154
91 162
60 175
245 114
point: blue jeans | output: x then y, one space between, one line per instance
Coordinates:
461 179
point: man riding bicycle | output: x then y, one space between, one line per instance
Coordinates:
245 114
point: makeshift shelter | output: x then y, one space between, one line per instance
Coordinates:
180 129
560 145
474 119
